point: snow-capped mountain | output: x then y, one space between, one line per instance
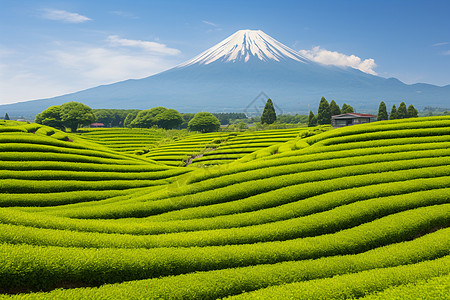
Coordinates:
237 74
245 45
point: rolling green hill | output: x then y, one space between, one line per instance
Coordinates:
361 211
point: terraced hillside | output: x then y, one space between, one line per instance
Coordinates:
220 147
125 140
361 211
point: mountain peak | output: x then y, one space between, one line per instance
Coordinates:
245 45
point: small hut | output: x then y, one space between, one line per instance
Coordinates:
351 119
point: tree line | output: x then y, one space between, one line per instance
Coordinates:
401 113
74 115
326 110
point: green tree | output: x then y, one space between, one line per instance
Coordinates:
269 115
412 112
393 114
51 117
347 109
130 117
7 117
169 119
148 118
402 111
324 113
334 108
312 120
76 114
204 122
382 112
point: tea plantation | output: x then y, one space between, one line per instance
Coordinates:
310 213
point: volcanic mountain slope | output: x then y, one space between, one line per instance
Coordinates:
228 77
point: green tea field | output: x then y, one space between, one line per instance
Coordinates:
360 212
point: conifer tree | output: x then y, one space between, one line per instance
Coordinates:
312 120
412 112
324 113
7 117
269 115
382 112
346 109
335 110
401 111
393 114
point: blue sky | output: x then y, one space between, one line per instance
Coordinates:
49 48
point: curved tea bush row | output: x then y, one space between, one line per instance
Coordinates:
254 195
281 159
295 209
232 281
435 288
320 223
47 265
354 285
295 212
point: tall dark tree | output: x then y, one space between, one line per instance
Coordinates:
393 114
412 112
402 111
312 120
7 117
346 109
324 113
335 110
382 112
269 115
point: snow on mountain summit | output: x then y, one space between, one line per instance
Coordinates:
245 45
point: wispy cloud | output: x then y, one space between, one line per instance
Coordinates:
440 44
210 23
64 16
446 52
124 14
335 58
153 47
74 66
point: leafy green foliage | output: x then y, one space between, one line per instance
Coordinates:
324 114
204 122
393 114
334 108
402 112
412 112
382 112
51 117
347 109
269 115
312 120
312 212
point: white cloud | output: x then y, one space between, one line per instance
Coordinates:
153 47
210 23
64 16
124 14
446 52
440 44
335 58
69 67
101 65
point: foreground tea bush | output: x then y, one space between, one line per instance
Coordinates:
358 211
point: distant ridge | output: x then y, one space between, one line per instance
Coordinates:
228 76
